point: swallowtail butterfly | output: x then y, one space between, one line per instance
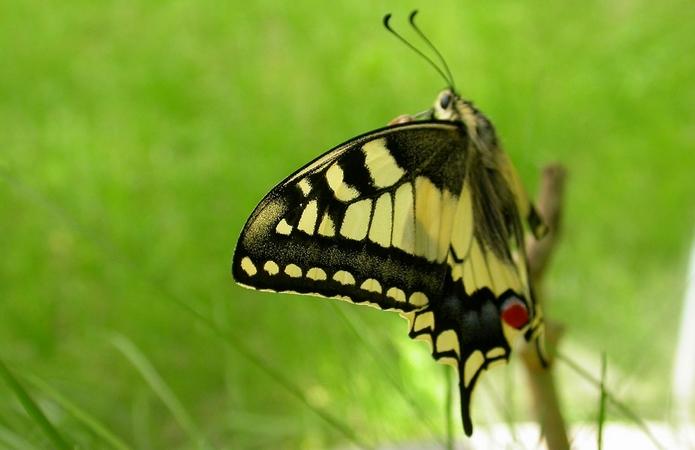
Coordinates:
425 217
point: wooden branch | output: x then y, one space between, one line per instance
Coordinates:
550 208
540 377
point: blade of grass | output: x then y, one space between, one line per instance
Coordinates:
602 403
274 373
279 377
140 419
508 408
503 401
10 439
624 409
159 387
449 405
115 255
350 320
89 421
502 404
57 440
14 421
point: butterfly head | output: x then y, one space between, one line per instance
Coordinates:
451 107
445 106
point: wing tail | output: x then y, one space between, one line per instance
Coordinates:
466 406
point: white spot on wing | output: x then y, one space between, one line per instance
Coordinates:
462 228
424 320
283 228
380 230
456 269
427 218
495 363
327 227
403 219
418 299
343 192
356 222
344 277
371 285
316 273
453 362
495 352
468 277
447 341
479 266
502 275
382 167
248 266
271 267
446 222
293 270
471 367
307 222
396 294
304 186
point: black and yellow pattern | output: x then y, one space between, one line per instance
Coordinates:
424 218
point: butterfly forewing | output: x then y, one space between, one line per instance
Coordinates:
394 219
370 221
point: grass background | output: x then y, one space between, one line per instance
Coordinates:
136 137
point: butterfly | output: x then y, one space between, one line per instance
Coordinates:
425 217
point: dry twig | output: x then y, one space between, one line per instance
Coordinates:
540 377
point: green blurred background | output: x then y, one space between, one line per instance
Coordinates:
136 137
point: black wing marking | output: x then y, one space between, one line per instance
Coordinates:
347 226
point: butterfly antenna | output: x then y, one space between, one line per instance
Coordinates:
411 19
387 17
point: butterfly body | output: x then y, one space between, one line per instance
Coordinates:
424 217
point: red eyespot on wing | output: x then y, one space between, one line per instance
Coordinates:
515 313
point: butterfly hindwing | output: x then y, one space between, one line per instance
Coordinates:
465 332
369 221
463 326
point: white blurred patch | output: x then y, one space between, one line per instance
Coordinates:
684 362
525 436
